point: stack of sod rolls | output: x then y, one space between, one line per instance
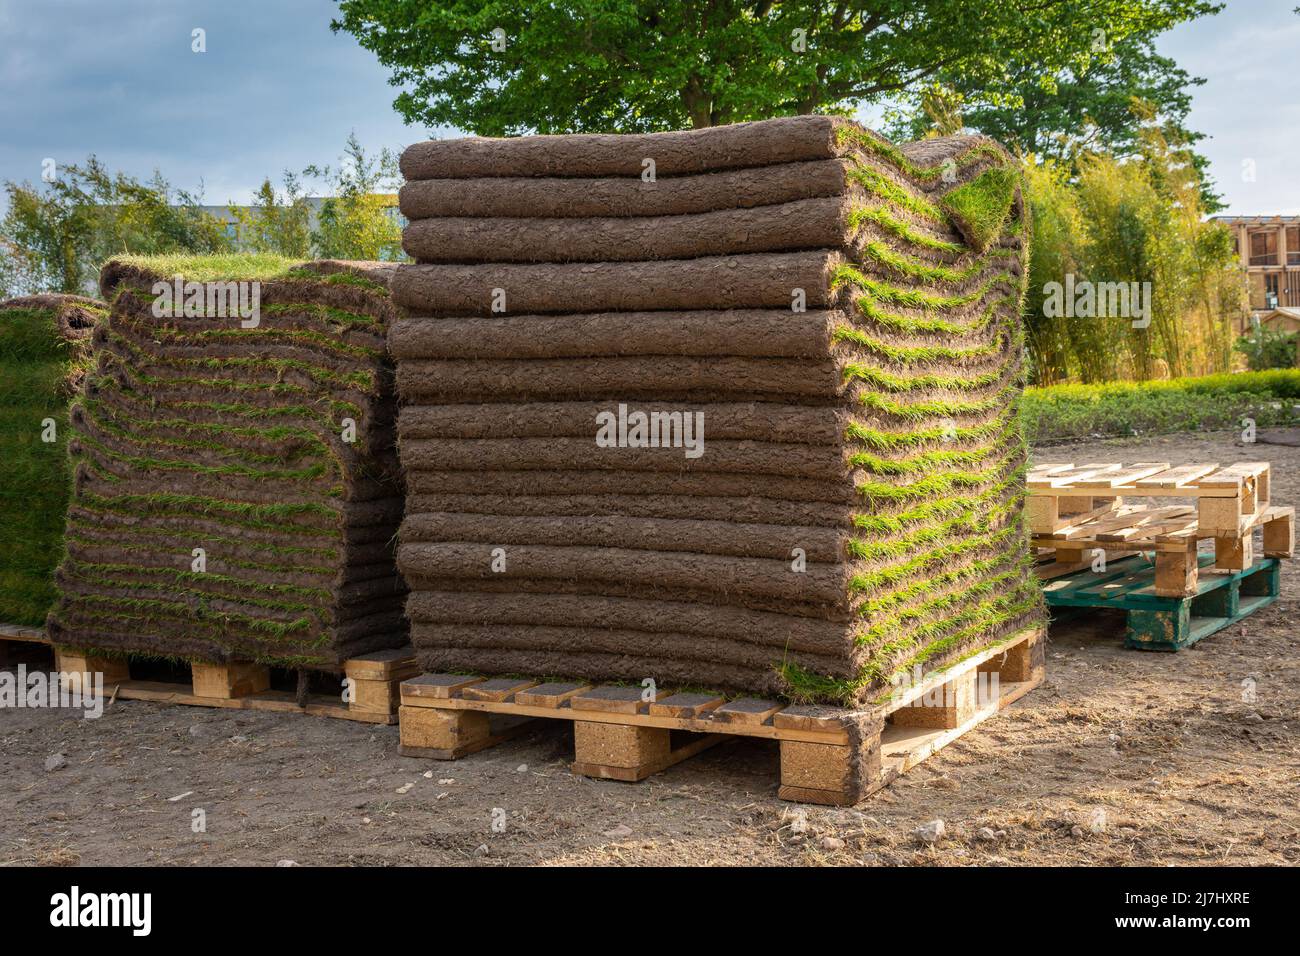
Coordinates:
44 343
236 494
731 408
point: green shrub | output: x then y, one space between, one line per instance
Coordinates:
1118 409
1268 348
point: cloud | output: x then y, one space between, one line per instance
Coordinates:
275 90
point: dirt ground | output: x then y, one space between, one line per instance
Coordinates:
1121 757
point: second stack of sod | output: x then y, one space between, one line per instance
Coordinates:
235 488
44 342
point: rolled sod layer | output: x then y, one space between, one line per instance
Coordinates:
759 281
672 196
742 145
774 333
236 492
44 349
837 318
802 224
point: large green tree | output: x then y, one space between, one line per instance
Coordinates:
495 68
1082 108
1104 104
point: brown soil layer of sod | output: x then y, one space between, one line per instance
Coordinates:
741 145
758 281
776 333
553 197
194 432
848 327
803 224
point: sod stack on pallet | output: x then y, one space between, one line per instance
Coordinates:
44 343
839 317
236 494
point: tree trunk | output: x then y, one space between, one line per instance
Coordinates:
698 104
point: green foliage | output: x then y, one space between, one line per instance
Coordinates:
233 267
35 363
1096 104
629 66
275 223
357 221
1267 348
1121 409
55 237
1129 221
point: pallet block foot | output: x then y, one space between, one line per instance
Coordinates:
443 734
1220 515
629 752
1279 533
1020 663
374 680
948 705
1234 554
507 730
70 661
1042 514
229 680
829 774
1178 572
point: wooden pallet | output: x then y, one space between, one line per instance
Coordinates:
374 680
1228 500
1156 622
1171 534
829 755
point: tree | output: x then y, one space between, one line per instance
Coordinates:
1102 105
358 222
275 223
60 234
1134 220
550 66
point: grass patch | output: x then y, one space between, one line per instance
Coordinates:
856 136
980 207
36 364
232 267
900 229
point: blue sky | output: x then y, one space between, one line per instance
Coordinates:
276 89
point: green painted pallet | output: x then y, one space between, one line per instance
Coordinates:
1167 623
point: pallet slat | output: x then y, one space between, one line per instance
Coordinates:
1126 475
1176 477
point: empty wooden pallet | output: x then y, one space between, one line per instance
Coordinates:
371 694
829 755
1078 512
1170 534
1158 622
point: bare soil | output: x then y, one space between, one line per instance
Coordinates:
1121 757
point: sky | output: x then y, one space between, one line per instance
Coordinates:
277 90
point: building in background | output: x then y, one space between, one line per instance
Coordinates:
1269 250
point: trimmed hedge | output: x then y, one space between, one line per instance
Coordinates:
1123 409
